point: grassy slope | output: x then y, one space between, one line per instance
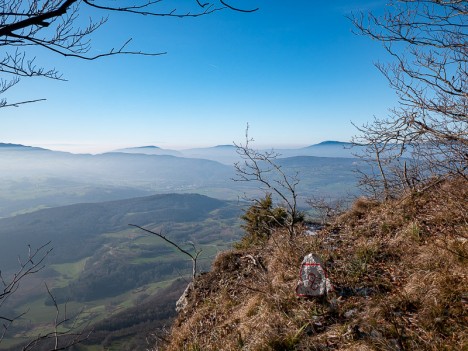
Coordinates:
399 272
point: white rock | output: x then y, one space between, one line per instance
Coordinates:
313 279
182 302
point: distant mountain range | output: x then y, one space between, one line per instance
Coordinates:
34 178
31 178
227 153
150 150
222 153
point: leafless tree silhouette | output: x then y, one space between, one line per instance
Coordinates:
33 263
326 208
65 331
260 167
58 26
427 41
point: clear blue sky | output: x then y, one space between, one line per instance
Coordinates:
292 70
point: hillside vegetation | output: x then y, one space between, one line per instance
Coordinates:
103 267
399 271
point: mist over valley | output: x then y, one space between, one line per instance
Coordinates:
81 206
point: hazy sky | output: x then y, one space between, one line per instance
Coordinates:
293 70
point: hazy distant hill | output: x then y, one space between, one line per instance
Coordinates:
32 178
323 149
221 153
76 230
333 143
227 154
150 150
18 147
324 176
113 168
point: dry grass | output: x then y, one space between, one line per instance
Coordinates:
400 276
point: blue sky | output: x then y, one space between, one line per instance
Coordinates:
293 70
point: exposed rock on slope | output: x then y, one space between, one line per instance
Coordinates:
399 271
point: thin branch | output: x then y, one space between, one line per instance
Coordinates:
53 25
272 177
17 104
235 8
193 257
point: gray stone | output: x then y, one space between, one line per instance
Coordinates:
350 313
313 280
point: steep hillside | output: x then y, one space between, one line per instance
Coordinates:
399 271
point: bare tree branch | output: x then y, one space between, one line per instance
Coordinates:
327 208
235 8
9 285
56 26
193 256
63 336
261 167
426 135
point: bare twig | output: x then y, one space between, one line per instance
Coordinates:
56 26
193 256
427 41
65 332
261 167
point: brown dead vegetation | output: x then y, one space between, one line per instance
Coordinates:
399 271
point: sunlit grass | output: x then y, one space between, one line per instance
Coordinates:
68 272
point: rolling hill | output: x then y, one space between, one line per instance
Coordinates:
76 231
36 178
101 264
227 154
31 178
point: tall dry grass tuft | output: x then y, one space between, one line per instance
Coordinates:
408 258
399 271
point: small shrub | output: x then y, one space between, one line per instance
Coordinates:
259 221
